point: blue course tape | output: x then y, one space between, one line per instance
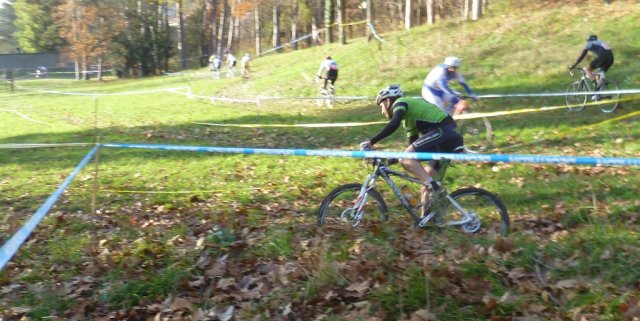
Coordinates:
11 246
507 158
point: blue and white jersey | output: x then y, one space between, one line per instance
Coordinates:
439 78
598 47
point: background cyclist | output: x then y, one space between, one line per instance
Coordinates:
214 63
246 62
428 129
436 90
603 60
231 63
331 66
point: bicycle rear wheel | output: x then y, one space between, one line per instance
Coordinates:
487 207
341 201
576 102
477 134
609 102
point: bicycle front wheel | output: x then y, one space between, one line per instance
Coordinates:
609 102
491 213
330 95
576 102
320 101
477 134
338 206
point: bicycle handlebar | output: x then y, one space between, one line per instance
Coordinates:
364 146
576 68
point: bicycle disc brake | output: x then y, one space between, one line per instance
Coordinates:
351 217
473 226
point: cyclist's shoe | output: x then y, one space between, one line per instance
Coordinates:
595 98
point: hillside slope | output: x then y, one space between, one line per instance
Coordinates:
520 51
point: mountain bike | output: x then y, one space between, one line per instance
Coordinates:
245 70
477 132
231 72
215 73
326 95
474 210
581 91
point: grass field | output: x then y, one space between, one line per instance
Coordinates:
185 235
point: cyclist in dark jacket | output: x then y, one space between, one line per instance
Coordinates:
603 60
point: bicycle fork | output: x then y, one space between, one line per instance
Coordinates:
356 213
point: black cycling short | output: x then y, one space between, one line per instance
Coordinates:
332 75
603 62
444 139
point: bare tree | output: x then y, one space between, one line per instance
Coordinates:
476 10
294 24
276 25
430 12
231 24
328 20
84 28
407 14
257 28
223 14
211 11
340 20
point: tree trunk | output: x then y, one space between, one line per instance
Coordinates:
464 10
476 10
214 26
314 31
294 25
223 13
340 20
257 29
231 25
276 26
165 24
328 15
236 24
430 12
407 14
369 12
180 31
440 9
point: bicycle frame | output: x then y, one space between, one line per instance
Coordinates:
583 78
381 170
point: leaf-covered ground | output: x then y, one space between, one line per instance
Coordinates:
180 236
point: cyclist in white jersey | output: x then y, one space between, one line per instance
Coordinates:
436 90
246 62
331 66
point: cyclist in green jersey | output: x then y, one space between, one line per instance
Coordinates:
428 129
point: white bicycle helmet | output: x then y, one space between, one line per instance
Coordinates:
388 92
452 62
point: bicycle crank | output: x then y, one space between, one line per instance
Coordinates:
474 224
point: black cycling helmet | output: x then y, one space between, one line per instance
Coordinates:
592 37
391 91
